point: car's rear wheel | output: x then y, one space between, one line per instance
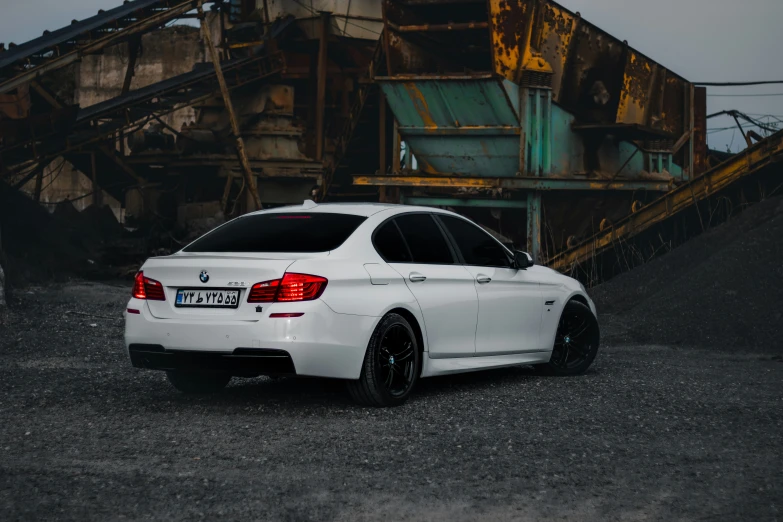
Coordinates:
192 382
576 341
391 365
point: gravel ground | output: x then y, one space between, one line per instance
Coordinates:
651 432
722 290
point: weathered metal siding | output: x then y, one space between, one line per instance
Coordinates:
766 154
458 125
594 75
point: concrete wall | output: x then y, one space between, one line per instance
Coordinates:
164 53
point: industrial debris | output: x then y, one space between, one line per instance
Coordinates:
522 115
721 291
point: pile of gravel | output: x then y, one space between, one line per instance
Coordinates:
722 290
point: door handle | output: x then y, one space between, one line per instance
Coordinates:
482 279
416 277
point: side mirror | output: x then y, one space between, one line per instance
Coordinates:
522 260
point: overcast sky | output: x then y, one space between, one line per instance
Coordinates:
701 40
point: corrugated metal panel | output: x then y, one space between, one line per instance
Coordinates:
458 125
452 101
594 74
467 155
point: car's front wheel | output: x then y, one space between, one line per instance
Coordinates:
391 365
191 382
576 341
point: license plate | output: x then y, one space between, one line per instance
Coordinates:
208 298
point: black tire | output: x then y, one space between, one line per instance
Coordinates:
391 365
576 341
190 382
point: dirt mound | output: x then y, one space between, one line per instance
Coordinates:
721 290
36 245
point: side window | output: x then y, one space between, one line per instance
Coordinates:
477 247
390 245
425 239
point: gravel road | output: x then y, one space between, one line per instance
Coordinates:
651 432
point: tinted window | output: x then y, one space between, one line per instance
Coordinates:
289 232
390 245
425 240
478 248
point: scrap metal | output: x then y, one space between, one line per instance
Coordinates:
250 179
768 152
21 64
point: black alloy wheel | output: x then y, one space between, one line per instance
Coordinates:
396 360
391 365
576 341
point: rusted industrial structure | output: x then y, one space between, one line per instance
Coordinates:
523 107
278 101
519 113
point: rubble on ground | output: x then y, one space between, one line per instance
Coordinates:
721 290
40 246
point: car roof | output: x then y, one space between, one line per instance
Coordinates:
357 209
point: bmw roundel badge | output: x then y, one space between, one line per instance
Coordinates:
203 276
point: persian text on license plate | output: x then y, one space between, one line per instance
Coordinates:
208 298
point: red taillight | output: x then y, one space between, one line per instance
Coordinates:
293 287
287 315
146 288
300 287
138 287
263 292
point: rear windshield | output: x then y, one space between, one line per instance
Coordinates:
290 232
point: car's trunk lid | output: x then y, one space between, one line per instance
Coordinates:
222 272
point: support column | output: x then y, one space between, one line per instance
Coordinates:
38 185
97 193
250 179
393 193
534 225
133 52
323 64
382 142
536 124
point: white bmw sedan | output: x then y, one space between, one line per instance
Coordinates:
378 295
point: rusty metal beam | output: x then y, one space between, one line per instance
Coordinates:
38 185
534 213
739 126
382 141
526 183
113 38
106 151
133 53
438 27
46 95
681 142
463 202
97 194
120 162
468 130
250 179
740 166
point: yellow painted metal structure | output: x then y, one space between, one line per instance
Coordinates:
766 153
518 183
531 37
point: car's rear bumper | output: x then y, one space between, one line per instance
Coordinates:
243 362
321 343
